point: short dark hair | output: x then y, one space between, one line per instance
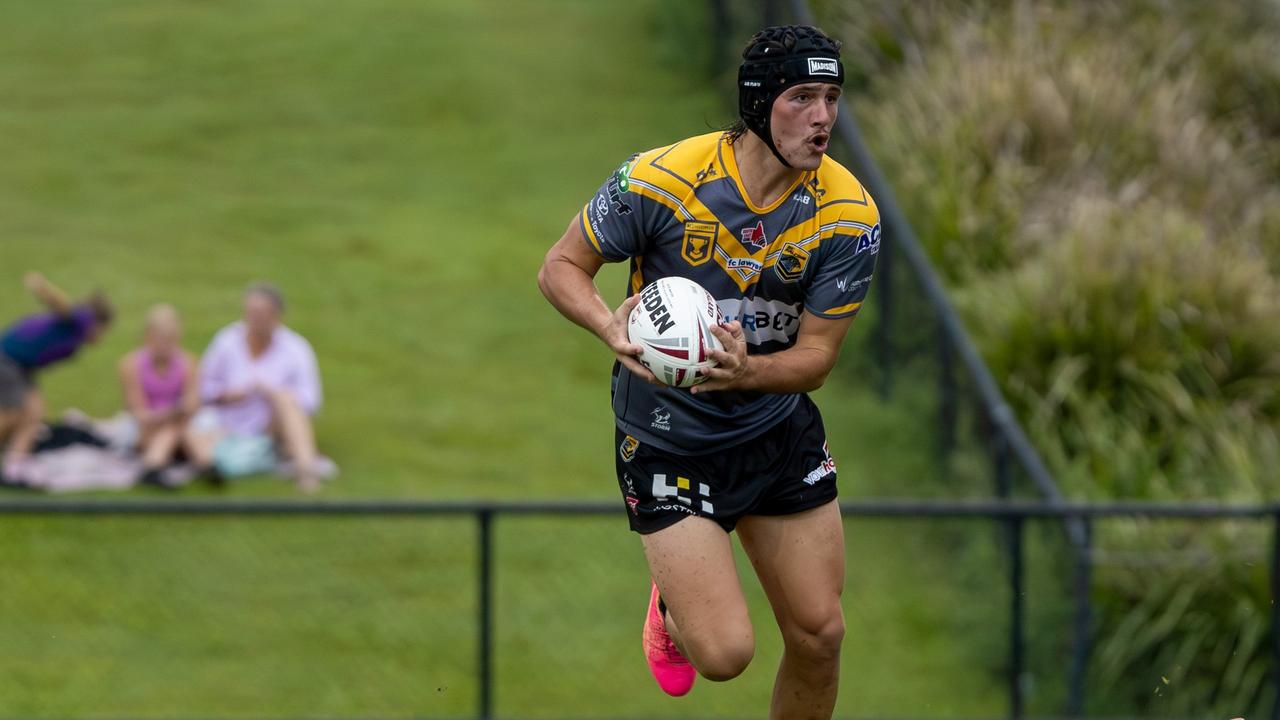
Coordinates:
267 290
100 306
735 130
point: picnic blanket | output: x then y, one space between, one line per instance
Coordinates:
78 454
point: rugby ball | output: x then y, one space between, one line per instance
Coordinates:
672 323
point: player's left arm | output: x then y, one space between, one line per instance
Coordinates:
800 368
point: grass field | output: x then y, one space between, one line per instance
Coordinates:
399 168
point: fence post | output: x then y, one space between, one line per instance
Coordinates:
720 31
770 12
1275 614
1015 617
884 312
1081 636
946 397
484 518
1000 458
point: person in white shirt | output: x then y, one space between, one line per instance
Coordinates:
262 382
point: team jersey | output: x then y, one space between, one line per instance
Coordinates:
682 210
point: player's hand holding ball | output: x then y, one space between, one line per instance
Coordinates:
615 336
731 361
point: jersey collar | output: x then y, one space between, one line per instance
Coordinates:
729 160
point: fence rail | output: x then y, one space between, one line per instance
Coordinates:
870 508
1012 514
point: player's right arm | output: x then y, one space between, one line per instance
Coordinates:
47 293
567 279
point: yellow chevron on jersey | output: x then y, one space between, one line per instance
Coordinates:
671 177
682 210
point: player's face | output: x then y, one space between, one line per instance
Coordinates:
803 116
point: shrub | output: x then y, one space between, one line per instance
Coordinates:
1100 186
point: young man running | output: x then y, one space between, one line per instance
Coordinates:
786 240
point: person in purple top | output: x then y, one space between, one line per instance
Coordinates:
28 347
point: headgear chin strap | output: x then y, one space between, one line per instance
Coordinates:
775 59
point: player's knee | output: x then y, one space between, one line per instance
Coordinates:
816 635
726 659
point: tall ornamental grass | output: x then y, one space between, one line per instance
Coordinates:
1099 184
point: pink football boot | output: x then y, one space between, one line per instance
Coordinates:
672 671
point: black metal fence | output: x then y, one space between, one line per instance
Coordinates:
1012 515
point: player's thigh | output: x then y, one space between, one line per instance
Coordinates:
692 563
800 561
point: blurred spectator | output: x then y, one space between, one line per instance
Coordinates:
263 381
161 392
32 344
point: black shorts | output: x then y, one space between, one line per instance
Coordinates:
782 471
15 384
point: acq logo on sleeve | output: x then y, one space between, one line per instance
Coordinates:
869 241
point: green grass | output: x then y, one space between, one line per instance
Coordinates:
399 168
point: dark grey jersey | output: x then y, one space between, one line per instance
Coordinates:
681 210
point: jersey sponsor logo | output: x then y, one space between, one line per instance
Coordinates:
615 197
825 468
869 241
763 320
627 450
707 173
668 507
754 237
658 313
802 198
592 217
816 189
699 241
623 175
684 492
602 206
845 286
819 66
751 266
629 494
791 263
661 418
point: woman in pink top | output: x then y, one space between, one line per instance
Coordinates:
161 391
